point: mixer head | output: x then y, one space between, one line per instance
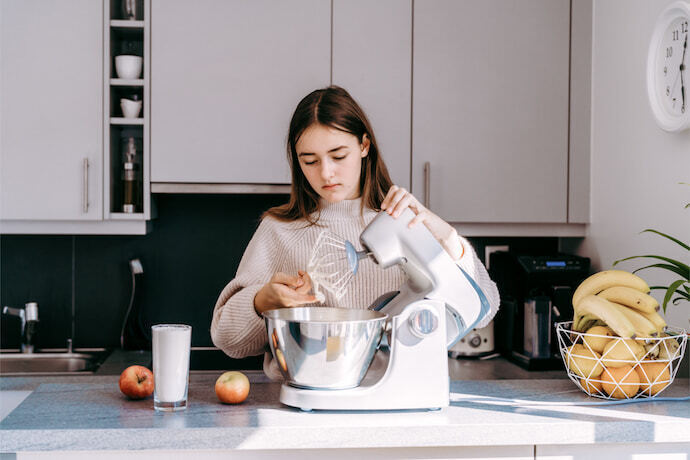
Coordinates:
431 273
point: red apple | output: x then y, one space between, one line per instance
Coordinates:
136 382
232 387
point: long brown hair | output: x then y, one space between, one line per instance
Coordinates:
332 107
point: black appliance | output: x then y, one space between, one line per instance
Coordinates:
536 293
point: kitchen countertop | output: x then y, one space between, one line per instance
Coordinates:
89 413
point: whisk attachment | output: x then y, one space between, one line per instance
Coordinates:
333 263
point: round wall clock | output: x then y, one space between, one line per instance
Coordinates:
668 68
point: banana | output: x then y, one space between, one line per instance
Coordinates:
630 297
656 320
668 347
643 327
607 312
606 279
652 349
584 322
579 322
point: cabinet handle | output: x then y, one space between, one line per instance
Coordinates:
85 192
427 184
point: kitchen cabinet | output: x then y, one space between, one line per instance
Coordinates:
374 63
51 102
226 77
644 448
490 109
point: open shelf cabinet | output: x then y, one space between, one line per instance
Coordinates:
127 26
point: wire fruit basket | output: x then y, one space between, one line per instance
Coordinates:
611 367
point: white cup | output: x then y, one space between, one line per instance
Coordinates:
130 108
128 66
170 346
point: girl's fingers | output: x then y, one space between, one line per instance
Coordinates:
306 283
421 217
291 298
401 205
288 280
389 196
398 195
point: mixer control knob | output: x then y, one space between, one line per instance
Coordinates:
423 322
474 340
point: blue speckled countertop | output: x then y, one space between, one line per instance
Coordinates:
90 413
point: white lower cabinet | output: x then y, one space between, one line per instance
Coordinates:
464 453
51 143
619 451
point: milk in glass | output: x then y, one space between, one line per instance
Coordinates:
171 344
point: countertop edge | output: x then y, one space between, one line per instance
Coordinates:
264 438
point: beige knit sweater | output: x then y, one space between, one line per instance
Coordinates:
276 246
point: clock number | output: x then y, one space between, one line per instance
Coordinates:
675 34
669 52
668 90
684 27
665 71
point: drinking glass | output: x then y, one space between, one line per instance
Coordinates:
171 344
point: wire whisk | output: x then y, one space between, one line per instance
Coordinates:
333 263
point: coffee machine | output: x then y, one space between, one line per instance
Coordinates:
536 293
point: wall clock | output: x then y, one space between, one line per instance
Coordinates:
668 68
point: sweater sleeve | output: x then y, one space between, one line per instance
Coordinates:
236 327
475 268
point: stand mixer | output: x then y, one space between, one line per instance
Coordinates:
437 306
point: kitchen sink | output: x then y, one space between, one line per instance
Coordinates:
52 362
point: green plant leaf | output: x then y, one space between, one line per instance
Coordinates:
663 288
670 291
668 267
667 236
677 300
685 270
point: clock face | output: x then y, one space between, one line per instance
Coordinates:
668 68
673 58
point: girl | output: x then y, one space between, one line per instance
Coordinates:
339 182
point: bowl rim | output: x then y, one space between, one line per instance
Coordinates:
272 315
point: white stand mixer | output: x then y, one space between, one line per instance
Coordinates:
437 306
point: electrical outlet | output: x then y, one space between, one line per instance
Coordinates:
490 249
135 266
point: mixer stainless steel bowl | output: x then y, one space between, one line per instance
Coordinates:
324 347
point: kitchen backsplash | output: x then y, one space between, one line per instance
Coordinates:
192 252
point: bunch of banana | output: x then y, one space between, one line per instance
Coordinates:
619 300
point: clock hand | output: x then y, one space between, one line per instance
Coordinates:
682 69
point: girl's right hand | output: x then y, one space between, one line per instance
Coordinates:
284 291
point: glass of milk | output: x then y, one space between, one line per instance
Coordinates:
170 345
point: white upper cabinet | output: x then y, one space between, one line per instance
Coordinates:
372 59
490 109
226 77
51 98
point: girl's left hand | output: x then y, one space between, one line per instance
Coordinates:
398 199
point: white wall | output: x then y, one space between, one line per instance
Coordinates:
635 166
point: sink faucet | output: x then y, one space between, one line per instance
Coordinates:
29 326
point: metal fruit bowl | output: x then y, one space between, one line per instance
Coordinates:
324 347
628 369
